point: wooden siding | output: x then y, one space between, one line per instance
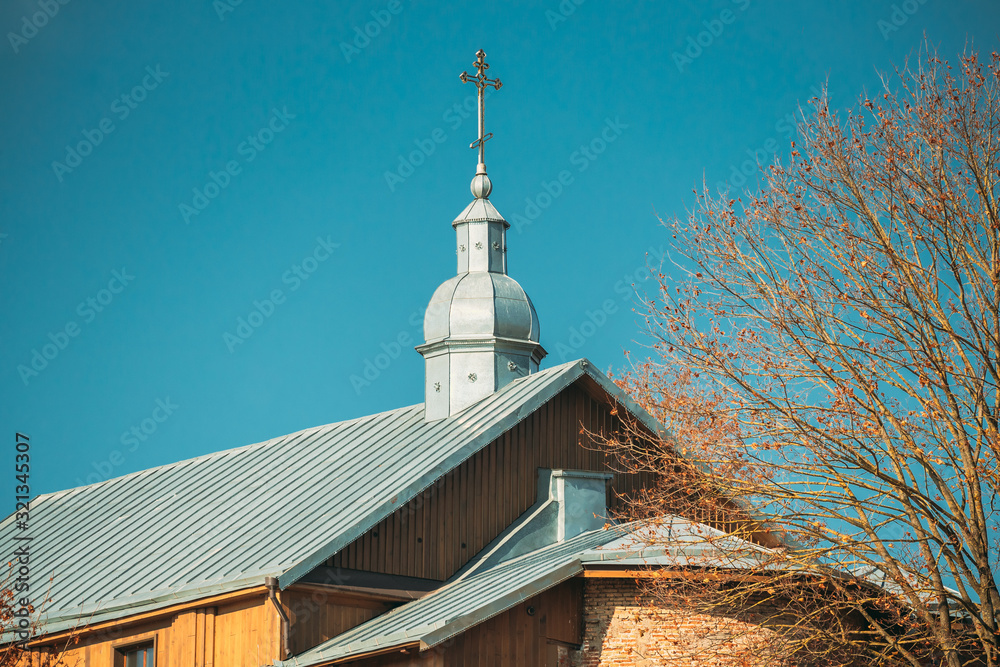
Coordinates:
437 532
317 615
244 633
515 638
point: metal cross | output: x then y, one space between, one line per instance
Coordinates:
481 82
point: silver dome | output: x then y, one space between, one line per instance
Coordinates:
480 303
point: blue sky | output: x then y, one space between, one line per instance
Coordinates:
169 170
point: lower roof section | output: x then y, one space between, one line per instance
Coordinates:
466 601
459 605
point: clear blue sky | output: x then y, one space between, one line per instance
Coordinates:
289 117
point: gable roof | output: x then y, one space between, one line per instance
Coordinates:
462 603
224 521
467 601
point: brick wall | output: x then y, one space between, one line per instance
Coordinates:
623 626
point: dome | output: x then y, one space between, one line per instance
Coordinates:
480 303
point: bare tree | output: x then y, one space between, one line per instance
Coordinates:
19 623
828 351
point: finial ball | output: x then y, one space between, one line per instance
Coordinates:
481 186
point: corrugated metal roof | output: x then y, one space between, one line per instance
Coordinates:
224 521
467 601
674 541
479 210
463 603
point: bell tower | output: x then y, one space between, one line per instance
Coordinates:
480 328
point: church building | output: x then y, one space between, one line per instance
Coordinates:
475 528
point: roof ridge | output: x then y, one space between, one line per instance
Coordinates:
239 448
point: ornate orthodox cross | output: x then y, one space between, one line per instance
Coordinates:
481 82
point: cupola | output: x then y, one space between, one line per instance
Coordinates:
480 329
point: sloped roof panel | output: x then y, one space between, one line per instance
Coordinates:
467 601
463 603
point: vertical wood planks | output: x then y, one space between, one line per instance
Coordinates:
476 501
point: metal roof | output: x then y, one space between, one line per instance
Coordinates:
463 603
224 521
481 209
481 303
673 541
467 601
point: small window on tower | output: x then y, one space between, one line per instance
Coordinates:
135 656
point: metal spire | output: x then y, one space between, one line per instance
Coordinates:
481 82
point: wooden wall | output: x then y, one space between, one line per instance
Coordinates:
436 533
517 638
317 615
241 633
